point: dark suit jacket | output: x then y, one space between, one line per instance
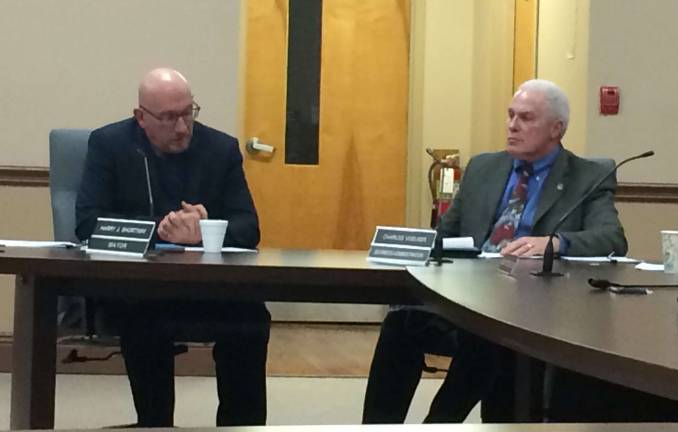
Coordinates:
593 229
114 180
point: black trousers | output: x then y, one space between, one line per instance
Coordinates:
240 332
406 335
484 371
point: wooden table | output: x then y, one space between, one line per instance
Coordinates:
276 275
630 340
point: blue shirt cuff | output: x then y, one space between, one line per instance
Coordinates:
564 244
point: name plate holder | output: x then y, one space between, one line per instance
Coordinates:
508 264
125 237
511 265
401 246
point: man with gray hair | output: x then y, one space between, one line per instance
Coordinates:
509 202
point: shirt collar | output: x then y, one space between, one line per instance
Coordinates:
543 163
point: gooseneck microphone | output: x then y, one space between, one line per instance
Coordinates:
547 267
148 184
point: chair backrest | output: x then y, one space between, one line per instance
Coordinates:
67 152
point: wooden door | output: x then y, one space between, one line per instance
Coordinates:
359 180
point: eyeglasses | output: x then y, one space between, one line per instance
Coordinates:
170 119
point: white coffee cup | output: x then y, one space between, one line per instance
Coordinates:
670 251
213 232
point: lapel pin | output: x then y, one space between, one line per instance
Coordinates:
559 186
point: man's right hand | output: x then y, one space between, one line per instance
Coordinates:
197 208
183 226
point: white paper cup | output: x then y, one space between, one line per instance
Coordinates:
213 232
670 251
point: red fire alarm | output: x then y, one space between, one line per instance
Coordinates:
609 100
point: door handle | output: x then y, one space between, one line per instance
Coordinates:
253 147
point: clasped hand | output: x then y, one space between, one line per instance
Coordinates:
183 226
527 246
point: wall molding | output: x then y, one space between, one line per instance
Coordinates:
27 176
647 192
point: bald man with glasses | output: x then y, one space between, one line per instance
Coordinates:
162 164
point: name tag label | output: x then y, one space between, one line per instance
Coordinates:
404 237
378 251
121 237
401 246
124 228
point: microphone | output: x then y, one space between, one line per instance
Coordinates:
148 184
605 284
617 288
437 252
547 267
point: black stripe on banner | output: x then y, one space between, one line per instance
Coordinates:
303 81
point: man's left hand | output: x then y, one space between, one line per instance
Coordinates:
183 226
528 246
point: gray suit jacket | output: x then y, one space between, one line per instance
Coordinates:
593 229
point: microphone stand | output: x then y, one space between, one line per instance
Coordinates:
549 255
436 256
151 206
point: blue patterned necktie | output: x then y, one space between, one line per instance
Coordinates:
505 228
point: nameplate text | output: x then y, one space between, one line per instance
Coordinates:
121 236
401 246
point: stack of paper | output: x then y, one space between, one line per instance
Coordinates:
36 244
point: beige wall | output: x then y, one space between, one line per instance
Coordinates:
562 57
461 72
440 72
26 216
585 44
75 63
634 48
642 223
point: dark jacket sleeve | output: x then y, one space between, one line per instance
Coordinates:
600 232
101 193
236 203
96 194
